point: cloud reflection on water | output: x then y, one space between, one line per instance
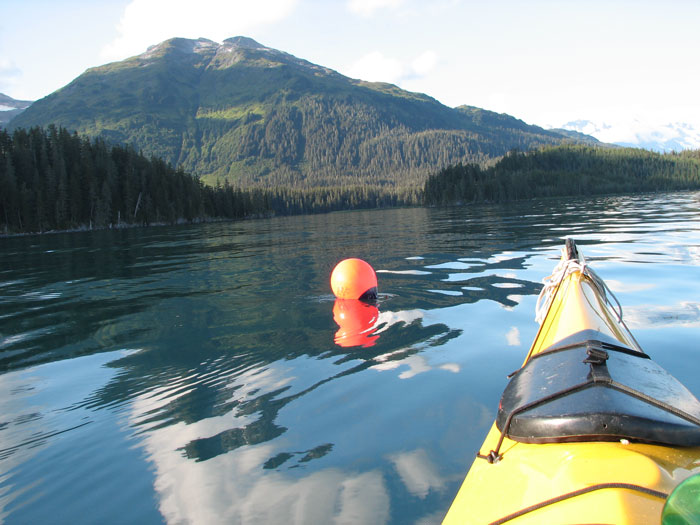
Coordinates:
685 314
417 472
236 488
513 336
257 483
15 406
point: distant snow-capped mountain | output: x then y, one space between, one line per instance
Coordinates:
674 136
10 108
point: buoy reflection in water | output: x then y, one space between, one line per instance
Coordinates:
357 322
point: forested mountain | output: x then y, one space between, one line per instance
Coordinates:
557 171
251 115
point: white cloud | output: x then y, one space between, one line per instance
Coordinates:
368 7
7 67
417 364
376 67
148 22
389 318
513 336
417 472
686 314
620 287
649 132
9 74
236 488
16 403
425 63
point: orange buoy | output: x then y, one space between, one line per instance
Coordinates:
356 322
354 279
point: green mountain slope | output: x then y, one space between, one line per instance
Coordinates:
252 115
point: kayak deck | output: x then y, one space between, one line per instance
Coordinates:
578 306
617 482
529 475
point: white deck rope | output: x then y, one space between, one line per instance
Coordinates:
565 268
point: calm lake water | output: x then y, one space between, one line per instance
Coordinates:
196 374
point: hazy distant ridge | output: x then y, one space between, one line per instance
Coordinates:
10 108
676 136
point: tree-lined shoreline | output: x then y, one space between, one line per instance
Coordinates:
563 171
54 180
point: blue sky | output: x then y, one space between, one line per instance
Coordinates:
546 62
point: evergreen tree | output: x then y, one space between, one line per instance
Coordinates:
563 171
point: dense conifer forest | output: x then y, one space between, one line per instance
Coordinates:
51 179
565 171
54 180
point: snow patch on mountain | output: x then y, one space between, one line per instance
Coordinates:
10 108
675 136
8 103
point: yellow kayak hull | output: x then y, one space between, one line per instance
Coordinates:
614 482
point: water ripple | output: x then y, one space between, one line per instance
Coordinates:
192 374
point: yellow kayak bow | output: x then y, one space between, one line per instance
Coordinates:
590 429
